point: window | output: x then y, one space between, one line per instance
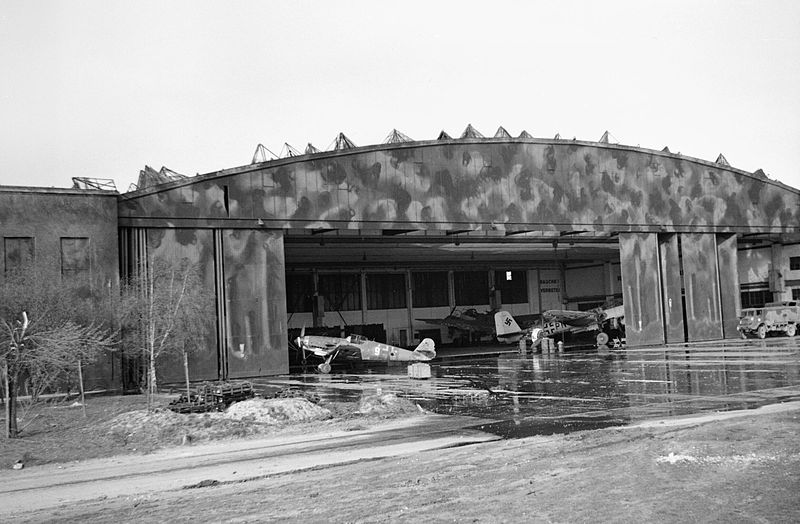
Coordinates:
342 292
299 292
75 257
513 290
386 290
18 252
794 263
471 287
796 293
756 298
430 289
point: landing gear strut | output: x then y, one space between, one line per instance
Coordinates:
325 367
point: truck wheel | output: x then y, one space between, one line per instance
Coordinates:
762 331
791 330
743 335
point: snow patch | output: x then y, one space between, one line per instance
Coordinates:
752 458
277 410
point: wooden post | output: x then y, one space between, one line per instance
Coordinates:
186 373
7 397
80 385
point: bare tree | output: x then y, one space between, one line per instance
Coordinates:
164 312
47 329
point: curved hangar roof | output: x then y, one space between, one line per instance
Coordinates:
506 184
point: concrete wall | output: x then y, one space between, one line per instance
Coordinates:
48 215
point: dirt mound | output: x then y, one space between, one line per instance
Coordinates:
146 430
387 404
276 411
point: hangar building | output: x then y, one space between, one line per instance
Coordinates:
388 234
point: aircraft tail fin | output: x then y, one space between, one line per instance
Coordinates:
505 326
426 349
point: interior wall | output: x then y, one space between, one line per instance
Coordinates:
585 281
550 289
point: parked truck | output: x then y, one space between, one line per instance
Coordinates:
774 316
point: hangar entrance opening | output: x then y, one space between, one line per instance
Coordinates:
382 283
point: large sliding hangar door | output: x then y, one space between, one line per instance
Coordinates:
471 204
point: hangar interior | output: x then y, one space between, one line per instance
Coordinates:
394 279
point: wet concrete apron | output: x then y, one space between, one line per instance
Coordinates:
546 393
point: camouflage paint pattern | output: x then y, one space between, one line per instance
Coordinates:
641 288
472 184
671 288
506 184
255 303
196 246
701 284
727 264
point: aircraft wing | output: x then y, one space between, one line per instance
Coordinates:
614 312
528 321
571 318
320 352
320 345
459 323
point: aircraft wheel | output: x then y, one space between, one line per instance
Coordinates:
762 331
324 368
791 330
602 339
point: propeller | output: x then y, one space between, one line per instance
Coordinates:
299 340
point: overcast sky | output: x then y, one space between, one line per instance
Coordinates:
101 88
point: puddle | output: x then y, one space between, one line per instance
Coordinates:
555 393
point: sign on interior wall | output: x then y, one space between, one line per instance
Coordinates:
550 289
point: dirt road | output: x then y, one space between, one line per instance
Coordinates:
729 467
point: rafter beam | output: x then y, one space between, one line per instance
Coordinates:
394 232
520 232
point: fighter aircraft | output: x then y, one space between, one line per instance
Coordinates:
509 332
607 320
358 347
470 321
474 322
